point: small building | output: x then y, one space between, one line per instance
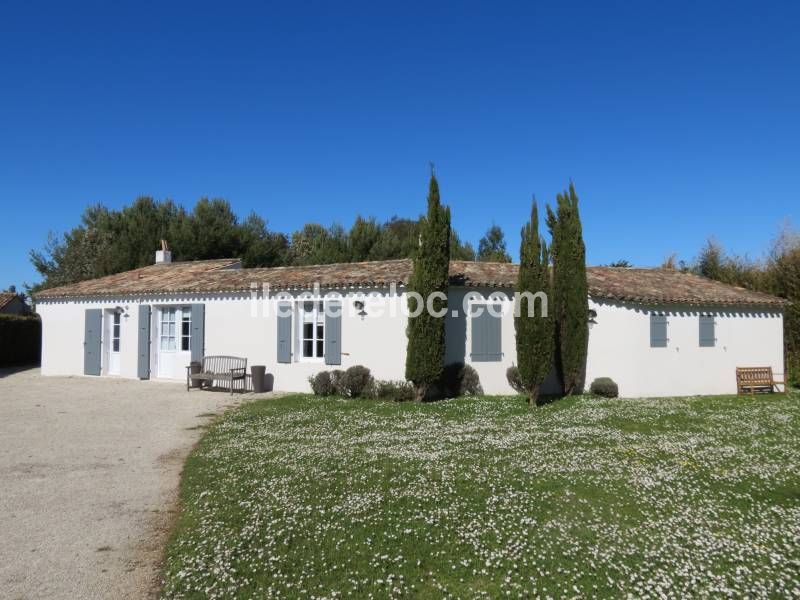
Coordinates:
655 332
12 303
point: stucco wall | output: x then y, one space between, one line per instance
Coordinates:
619 341
619 347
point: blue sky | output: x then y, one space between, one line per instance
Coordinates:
675 121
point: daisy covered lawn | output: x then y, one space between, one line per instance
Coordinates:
302 497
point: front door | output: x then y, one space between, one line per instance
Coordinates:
172 349
113 336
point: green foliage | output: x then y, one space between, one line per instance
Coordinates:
459 379
337 380
396 391
20 340
321 384
515 380
426 342
492 246
533 331
570 297
356 382
620 264
605 387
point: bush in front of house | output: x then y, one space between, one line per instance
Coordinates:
395 391
356 382
514 379
459 379
20 340
605 387
321 384
337 375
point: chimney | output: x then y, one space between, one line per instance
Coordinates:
163 256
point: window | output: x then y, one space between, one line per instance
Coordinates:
658 331
186 328
312 329
486 333
115 333
167 328
707 332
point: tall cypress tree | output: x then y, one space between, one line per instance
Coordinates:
426 342
570 291
534 332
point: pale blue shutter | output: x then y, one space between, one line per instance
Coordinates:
486 336
658 331
284 332
143 363
93 325
707 331
333 333
197 341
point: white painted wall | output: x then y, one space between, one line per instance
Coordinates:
619 347
619 343
63 330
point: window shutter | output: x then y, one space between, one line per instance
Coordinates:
333 333
707 331
658 331
143 365
197 341
284 332
486 336
93 325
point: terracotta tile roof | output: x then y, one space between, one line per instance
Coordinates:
657 286
6 298
159 278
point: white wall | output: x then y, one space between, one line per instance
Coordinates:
63 324
619 342
619 347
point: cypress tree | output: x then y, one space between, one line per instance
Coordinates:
570 291
426 341
534 332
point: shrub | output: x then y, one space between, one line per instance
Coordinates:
459 379
321 384
356 382
337 376
397 391
20 340
514 379
605 387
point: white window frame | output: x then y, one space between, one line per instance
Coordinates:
186 317
116 329
174 339
317 318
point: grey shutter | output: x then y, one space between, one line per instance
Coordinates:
93 325
143 366
284 332
333 333
658 331
707 333
486 337
197 341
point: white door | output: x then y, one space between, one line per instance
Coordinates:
114 338
173 353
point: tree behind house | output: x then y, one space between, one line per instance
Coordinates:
426 341
570 291
533 332
492 246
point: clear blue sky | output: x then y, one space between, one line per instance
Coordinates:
675 121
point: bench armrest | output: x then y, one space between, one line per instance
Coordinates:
238 370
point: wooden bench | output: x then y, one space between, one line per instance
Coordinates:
756 379
219 368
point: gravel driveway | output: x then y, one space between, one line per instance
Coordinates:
89 470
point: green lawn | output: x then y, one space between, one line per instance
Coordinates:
481 498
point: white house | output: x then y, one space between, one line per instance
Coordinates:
655 332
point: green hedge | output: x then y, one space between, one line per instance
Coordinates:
20 340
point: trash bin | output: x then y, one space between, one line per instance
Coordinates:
194 368
257 374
